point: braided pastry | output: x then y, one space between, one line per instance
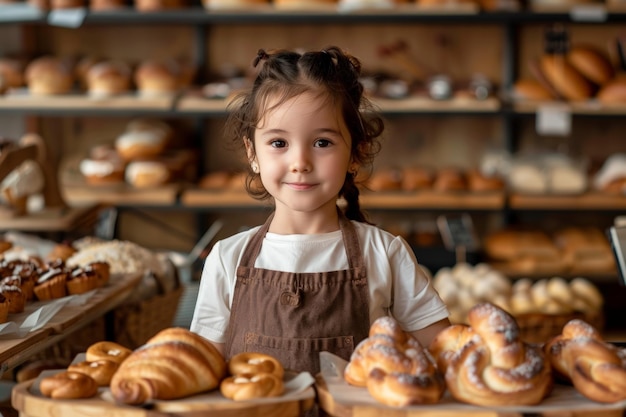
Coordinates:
175 363
597 369
394 367
486 363
253 375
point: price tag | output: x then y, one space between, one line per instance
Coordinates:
18 12
457 232
589 13
69 18
554 120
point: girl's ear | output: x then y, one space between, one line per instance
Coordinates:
249 149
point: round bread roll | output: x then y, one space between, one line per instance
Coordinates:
232 4
155 78
11 74
530 89
48 75
587 291
591 63
100 370
140 144
108 78
613 92
146 174
106 350
564 77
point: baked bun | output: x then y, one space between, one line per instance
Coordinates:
100 5
613 92
11 74
394 367
147 174
101 370
450 179
233 4
49 75
108 78
487 364
417 178
142 142
253 375
304 4
530 89
156 5
66 4
597 369
154 78
591 63
566 80
104 165
479 182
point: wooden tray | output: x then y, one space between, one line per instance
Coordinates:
27 400
340 399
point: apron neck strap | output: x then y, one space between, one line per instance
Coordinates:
348 232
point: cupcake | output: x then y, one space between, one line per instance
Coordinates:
15 298
4 309
25 284
51 285
103 271
81 280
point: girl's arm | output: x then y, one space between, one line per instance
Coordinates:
426 335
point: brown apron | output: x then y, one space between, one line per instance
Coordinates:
294 316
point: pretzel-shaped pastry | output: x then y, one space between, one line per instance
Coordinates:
248 386
488 364
254 363
394 367
68 385
597 369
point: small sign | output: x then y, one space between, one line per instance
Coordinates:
589 13
69 18
554 120
458 232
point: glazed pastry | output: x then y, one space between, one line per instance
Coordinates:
109 351
101 370
597 369
394 367
68 385
487 364
248 386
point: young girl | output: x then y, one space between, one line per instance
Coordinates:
313 277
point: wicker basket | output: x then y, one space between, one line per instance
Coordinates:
135 323
539 328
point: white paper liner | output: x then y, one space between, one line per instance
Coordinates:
37 314
562 397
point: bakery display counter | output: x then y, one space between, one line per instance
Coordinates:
16 348
339 399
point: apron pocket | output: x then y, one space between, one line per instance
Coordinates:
299 354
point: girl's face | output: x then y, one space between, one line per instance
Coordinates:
302 148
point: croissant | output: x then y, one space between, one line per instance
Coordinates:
486 363
174 363
597 369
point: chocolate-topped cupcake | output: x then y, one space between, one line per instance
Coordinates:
51 284
81 280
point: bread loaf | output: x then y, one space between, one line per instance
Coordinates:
175 363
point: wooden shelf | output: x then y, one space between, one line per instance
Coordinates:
586 108
433 199
218 199
587 201
122 194
52 219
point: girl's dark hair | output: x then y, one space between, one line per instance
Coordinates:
332 72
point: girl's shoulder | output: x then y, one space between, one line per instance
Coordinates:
237 242
370 232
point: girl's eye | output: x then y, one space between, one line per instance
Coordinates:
278 143
322 143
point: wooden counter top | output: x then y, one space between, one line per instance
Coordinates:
16 350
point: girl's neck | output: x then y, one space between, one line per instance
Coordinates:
287 222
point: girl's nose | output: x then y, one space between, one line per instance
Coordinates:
300 161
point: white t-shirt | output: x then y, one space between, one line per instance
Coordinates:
397 284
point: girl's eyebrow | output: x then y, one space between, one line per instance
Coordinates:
316 131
